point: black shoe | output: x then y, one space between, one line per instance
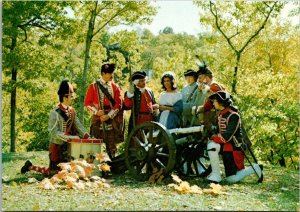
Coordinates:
262 175
26 166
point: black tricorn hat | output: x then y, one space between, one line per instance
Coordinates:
222 97
190 72
65 88
108 68
138 75
203 69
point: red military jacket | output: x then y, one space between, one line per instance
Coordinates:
229 126
92 99
143 106
213 88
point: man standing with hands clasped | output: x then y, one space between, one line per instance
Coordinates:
104 101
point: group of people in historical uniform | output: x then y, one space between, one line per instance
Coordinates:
201 101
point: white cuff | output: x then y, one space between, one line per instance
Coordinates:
113 113
130 95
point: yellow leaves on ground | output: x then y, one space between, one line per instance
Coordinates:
157 176
104 167
46 184
75 175
102 157
215 189
185 187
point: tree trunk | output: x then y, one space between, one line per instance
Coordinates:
234 80
88 42
13 102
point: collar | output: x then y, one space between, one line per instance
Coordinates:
141 89
104 82
63 107
211 82
225 110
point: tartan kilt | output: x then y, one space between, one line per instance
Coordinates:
114 130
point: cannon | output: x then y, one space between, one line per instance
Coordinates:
151 146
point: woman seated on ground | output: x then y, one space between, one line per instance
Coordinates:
227 141
171 104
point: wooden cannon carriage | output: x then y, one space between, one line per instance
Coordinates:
151 146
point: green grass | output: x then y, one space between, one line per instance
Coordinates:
278 192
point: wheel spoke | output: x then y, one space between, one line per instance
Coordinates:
133 161
195 167
143 136
138 141
140 167
160 163
157 147
162 154
150 139
201 164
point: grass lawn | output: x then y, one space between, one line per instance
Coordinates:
278 192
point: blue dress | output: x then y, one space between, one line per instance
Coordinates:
171 119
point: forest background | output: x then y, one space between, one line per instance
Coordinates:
251 51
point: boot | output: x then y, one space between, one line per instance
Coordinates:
26 166
213 150
245 172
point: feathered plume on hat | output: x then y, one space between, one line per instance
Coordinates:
203 69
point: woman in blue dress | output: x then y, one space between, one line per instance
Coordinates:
171 104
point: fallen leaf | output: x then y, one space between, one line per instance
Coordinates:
100 156
104 167
32 180
64 166
176 178
95 178
46 184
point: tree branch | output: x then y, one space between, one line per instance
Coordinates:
116 14
215 14
24 30
260 28
237 33
42 27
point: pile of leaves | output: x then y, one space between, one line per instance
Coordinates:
77 174
182 187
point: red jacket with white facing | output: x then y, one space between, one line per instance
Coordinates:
229 126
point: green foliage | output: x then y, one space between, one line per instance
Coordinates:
266 84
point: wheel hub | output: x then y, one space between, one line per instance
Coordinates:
141 153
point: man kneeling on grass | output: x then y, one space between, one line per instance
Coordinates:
63 125
226 142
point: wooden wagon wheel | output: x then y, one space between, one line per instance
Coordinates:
149 146
188 159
